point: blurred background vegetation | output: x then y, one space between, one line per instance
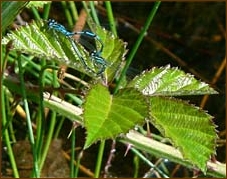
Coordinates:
189 35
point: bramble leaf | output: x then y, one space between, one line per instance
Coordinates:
187 126
39 40
106 116
167 81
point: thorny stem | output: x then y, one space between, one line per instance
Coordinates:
110 158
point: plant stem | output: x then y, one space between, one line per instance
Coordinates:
67 14
78 163
31 137
72 167
46 10
6 135
99 160
72 6
110 158
59 126
35 12
51 128
136 164
9 120
48 139
40 122
148 162
166 151
94 13
66 109
111 17
137 43
85 7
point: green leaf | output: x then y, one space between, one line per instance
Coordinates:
114 50
37 4
9 11
166 81
39 40
187 126
106 116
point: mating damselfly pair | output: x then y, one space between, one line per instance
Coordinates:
94 53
